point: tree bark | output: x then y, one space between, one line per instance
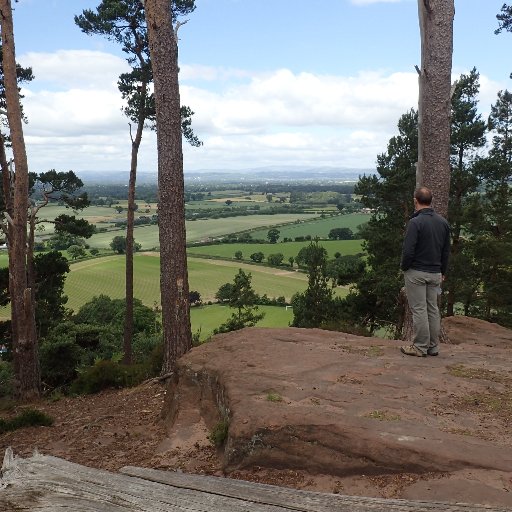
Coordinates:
436 30
434 111
26 362
171 205
8 185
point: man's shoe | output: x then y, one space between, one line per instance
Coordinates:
432 352
411 350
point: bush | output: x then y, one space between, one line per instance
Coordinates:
59 360
144 345
275 259
108 374
5 379
219 433
27 418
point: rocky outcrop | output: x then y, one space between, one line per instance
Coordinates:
339 404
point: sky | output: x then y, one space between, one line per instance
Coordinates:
271 82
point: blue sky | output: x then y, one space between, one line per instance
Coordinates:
272 82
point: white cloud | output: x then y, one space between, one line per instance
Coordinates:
245 119
298 100
75 68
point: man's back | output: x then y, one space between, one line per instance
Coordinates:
427 242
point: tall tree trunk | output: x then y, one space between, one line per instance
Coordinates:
436 30
26 365
8 185
171 205
128 320
434 111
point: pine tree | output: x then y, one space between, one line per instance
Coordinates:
467 137
163 45
124 22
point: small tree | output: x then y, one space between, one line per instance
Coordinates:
224 292
341 234
194 297
238 255
76 251
291 259
257 257
275 259
118 244
346 269
273 235
314 306
242 298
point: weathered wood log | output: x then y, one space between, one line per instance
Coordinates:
48 484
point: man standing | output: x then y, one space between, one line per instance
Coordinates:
424 261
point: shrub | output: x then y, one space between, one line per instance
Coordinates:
257 257
275 259
108 374
27 418
59 360
5 379
144 345
219 433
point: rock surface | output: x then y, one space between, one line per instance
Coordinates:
329 403
354 404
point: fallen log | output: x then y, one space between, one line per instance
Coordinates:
49 484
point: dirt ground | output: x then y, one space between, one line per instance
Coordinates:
117 428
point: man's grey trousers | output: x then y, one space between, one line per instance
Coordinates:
422 290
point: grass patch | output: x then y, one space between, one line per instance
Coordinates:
288 249
219 433
107 275
318 227
274 397
498 404
201 229
478 373
383 416
27 418
371 351
206 318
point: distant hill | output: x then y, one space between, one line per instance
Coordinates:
269 173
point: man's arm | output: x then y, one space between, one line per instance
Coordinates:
445 255
408 249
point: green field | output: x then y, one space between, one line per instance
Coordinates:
203 229
206 318
106 275
318 227
287 249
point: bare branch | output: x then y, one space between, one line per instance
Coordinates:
417 69
9 219
176 28
453 87
131 136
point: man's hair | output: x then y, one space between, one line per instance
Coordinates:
423 195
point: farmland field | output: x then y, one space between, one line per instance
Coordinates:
106 275
207 318
318 227
287 249
197 230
